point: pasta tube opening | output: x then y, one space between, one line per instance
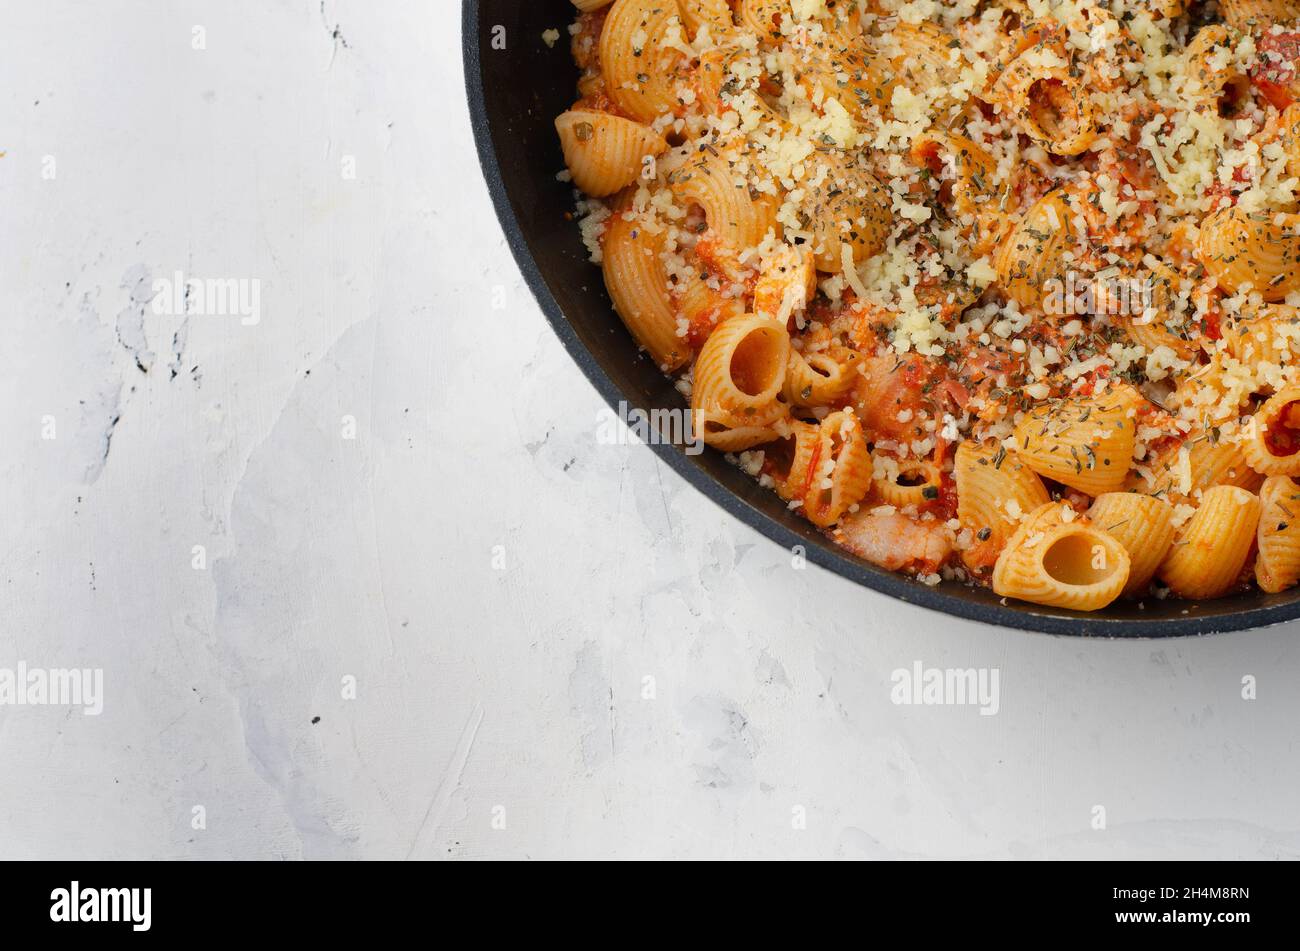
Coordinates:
1054 111
1065 565
1273 447
758 363
1283 435
1076 559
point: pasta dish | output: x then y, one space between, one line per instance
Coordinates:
996 291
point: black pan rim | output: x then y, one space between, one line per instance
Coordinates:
824 554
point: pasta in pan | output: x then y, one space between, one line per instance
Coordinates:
1143 524
1004 292
1207 558
606 153
1060 560
1277 566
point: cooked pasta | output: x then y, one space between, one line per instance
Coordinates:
789 460
1257 252
841 469
848 213
1270 334
740 372
714 429
1207 558
761 19
922 57
702 303
1048 99
1289 137
641 67
1062 562
1253 14
1272 439
968 175
1277 563
1002 294
1196 463
824 468
1086 443
1037 249
1143 524
606 153
1215 81
736 217
819 379
995 489
1157 323
911 486
638 286
713 14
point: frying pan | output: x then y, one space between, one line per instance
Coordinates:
517 85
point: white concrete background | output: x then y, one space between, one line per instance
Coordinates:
514 693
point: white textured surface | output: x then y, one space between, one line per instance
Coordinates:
477 688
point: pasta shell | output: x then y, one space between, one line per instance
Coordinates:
1201 462
701 305
1277 566
1290 138
859 79
1215 87
717 181
819 379
1069 565
967 172
1272 443
1143 524
763 18
846 207
789 460
1260 251
1207 559
1051 105
916 483
1205 395
1258 15
741 371
1156 325
994 490
1034 252
922 56
638 286
1269 335
606 153
715 14
841 471
1086 443
715 432
642 72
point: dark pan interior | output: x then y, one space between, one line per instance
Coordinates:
515 93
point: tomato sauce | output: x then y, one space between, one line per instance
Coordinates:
1283 435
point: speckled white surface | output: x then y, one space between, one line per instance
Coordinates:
500 711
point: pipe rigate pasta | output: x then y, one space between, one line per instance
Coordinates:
1002 294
